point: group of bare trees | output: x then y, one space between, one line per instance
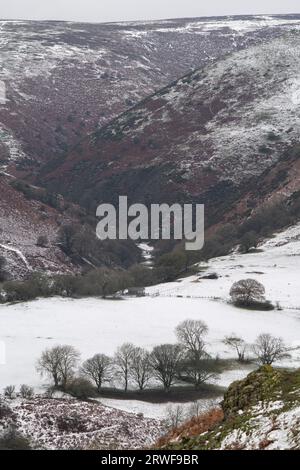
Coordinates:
185 361
267 349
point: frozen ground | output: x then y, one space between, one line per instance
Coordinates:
96 325
71 424
268 430
276 265
158 410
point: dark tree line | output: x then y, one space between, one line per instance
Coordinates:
185 361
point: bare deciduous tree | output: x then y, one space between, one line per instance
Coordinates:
48 364
58 363
190 334
238 344
69 358
141 368
196 370
268 349
165 361
247 291
97 369
196 366
175 416
123 361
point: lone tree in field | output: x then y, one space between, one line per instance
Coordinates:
238 344
141 370
247 292
196 366
165 361
59 363
268 349
97 369
123 361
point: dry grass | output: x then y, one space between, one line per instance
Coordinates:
194 427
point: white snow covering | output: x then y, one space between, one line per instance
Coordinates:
96 325
158 410
18 253
71 424
276 265
268 430
239 25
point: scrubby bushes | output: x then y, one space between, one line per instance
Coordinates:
3 272
42 241
97 282
14 440
26 392
80 388
71 423
37 194
9 391
79 242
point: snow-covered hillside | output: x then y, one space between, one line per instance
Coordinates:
66 77
96 325
276 264
273 428
261 412
75 425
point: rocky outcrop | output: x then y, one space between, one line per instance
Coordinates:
261 412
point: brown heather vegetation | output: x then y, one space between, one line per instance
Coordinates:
194 427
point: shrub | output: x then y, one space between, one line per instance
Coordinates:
81 388
26 392
13 440
3 272
42 241
71 423
5 412
9 391
249 240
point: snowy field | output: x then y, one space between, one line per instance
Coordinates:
276 266
100 326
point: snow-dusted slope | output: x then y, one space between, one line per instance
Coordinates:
64 78
22 222
96 325
272 428
261 412
276 265
64 424
212 136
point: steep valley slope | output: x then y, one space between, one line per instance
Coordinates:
213 136
72 119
